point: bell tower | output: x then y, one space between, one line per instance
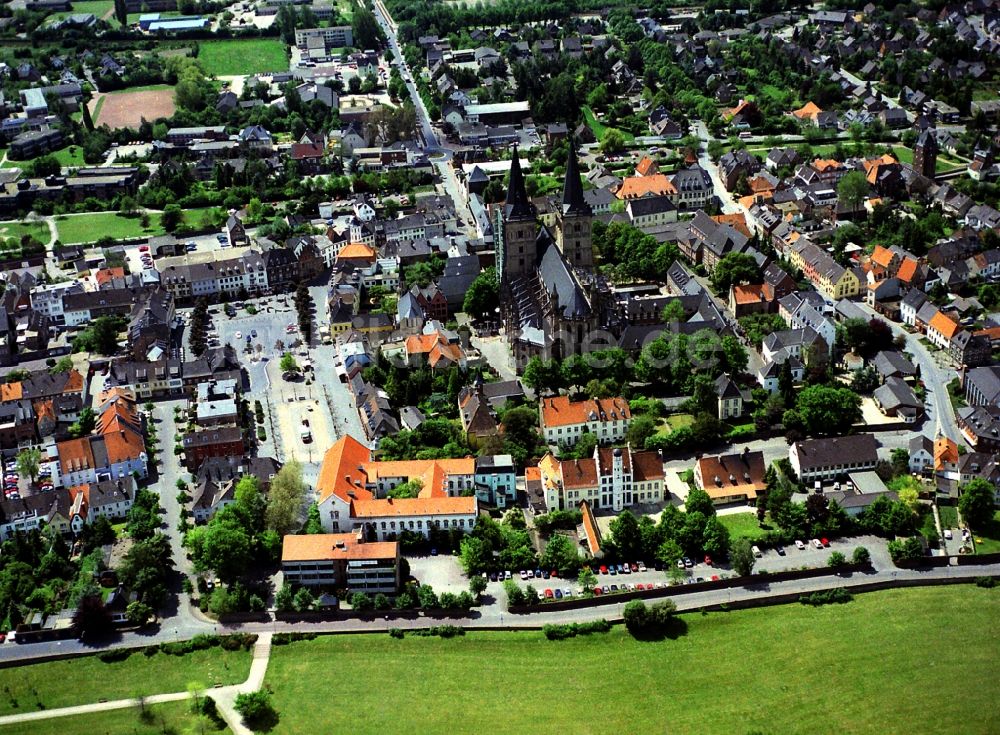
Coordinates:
574 218
518 256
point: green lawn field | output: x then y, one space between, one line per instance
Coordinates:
742 525
599 128
38 230
854 668
69 156
74 228
988 541
92 226
243 56
171 717
137 675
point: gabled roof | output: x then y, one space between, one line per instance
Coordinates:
561 411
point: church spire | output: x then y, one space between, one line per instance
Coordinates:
517 204
573 201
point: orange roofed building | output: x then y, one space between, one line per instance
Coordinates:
564 421
614 478
651 185
342 561
354 493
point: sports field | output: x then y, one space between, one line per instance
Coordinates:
128 108
919 661
244 56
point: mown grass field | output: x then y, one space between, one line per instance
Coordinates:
599 128
68 156
988 542
38 230
157 719
743 525
243 56
880 664
92 226
22 688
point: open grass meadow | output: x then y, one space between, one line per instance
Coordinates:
988 541
70 156
38 230
242 56
22 688
880 664
743 525
156 719
92 226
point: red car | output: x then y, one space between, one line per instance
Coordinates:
824 542
634 567
549 594
554 573
708 560
604 569
597 592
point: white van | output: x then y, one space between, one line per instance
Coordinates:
756 552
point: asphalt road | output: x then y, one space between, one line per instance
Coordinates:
494 614
936 376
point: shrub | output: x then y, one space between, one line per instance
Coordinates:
986 582
395 633
442 631
254 707
861 556
557 632
283 639
114 656
837 596
836 560
907 550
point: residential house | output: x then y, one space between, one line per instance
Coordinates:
731 478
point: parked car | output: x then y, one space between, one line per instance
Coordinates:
558 594
780 550
948 534
524 574
598 592
817 543
549 594
799 545
642 567
688 562
708 560
238 335
825 542
614 588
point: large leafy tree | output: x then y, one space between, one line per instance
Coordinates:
826 411
285 499
483 295
977 503
733 269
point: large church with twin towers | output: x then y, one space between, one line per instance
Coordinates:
551 297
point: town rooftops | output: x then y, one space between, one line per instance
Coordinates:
331 546
838 450
561 411
390 507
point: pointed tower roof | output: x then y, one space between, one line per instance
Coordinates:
517 204
573 201
928 139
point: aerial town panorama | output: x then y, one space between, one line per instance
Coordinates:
433 366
